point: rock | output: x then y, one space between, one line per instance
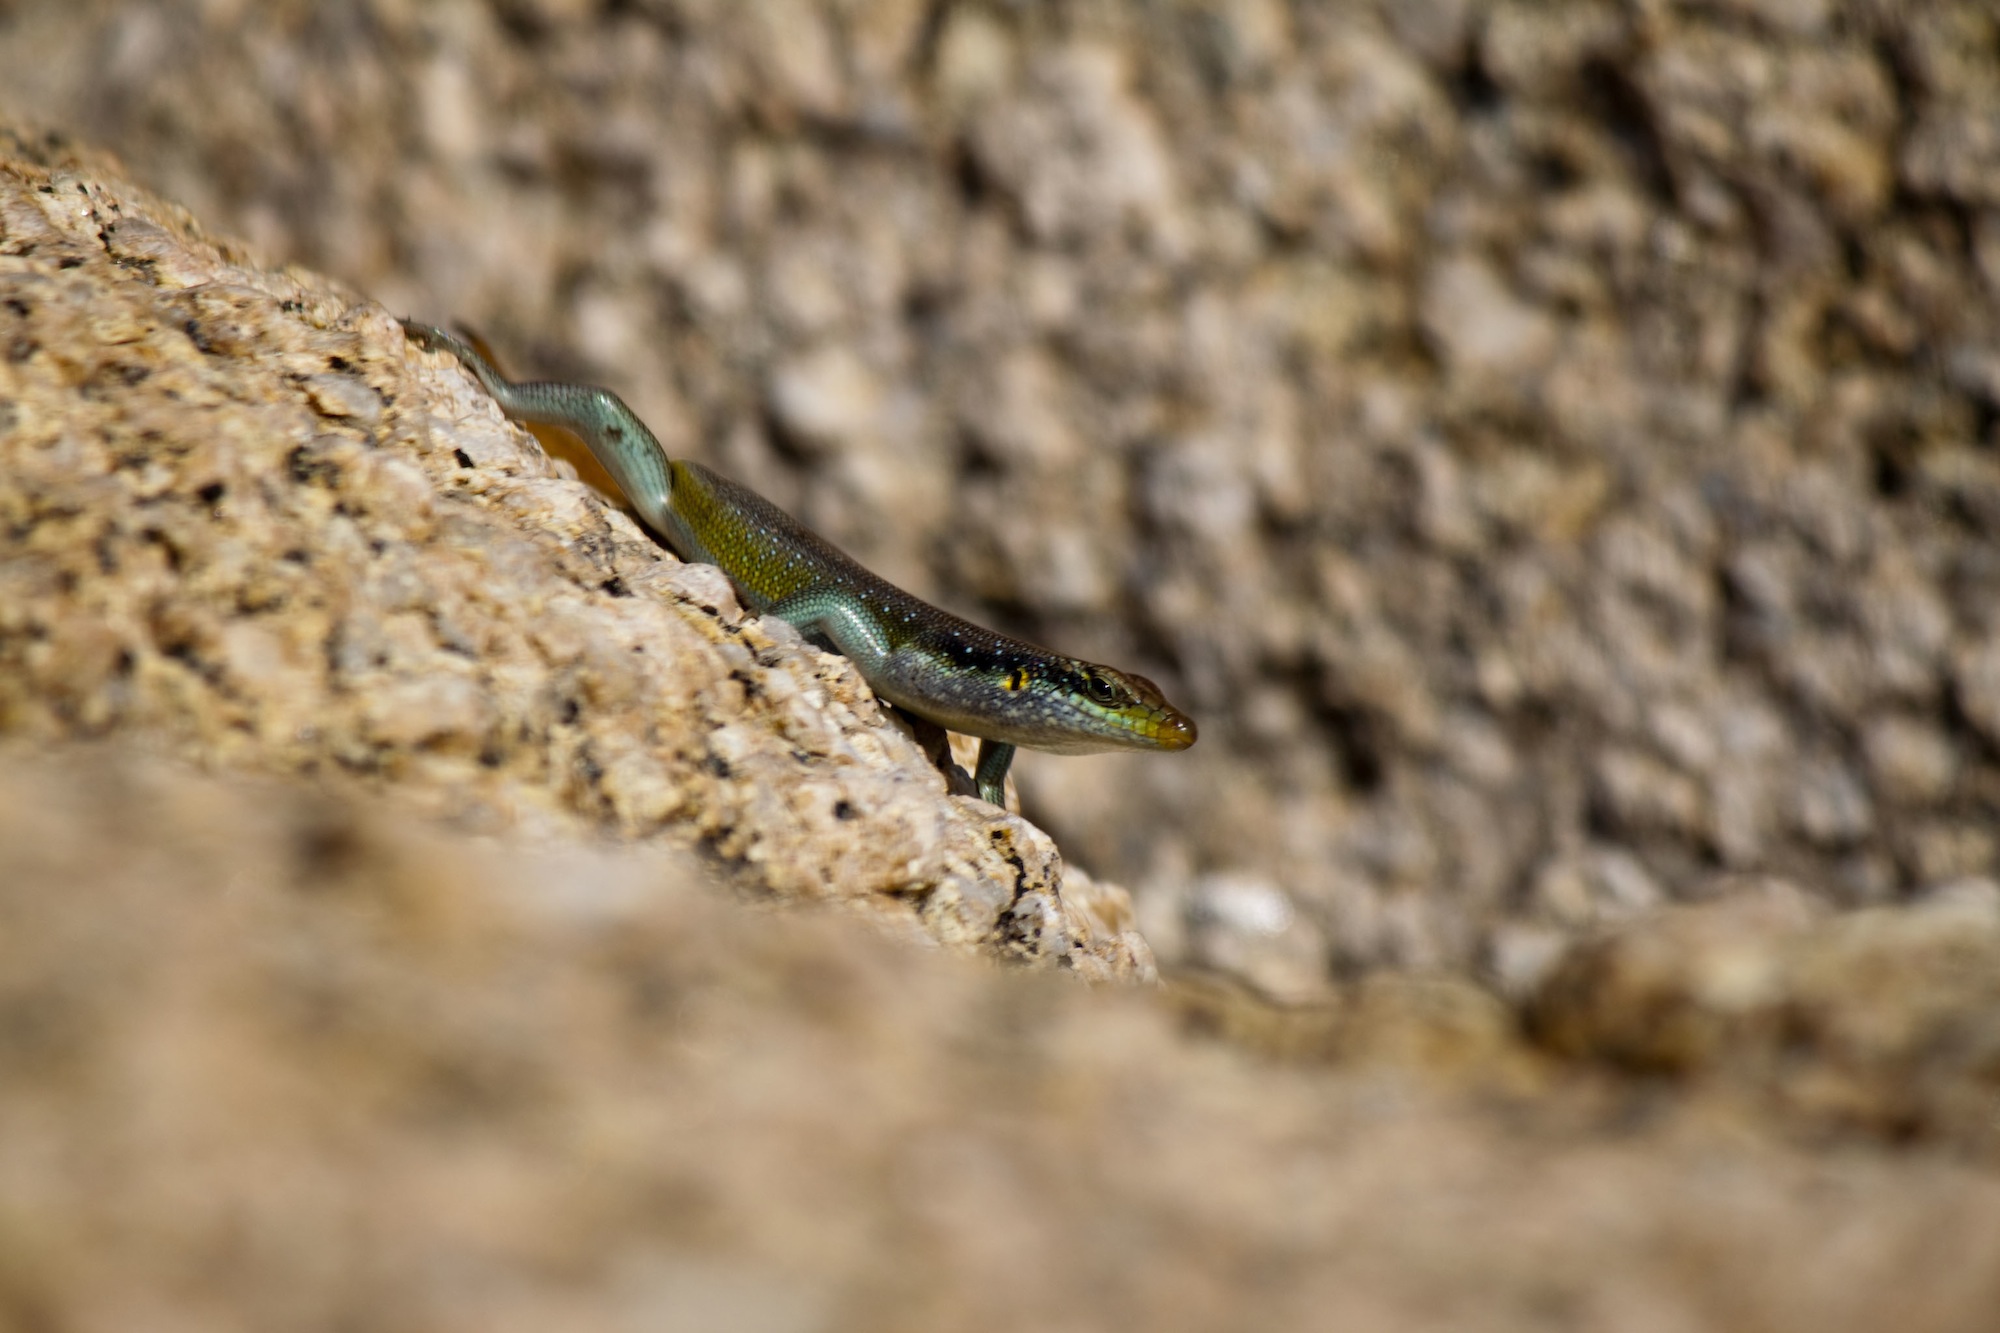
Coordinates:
1910 760
1678 588
1592 885
1111 167
257 526
1976 673
1887 1018
1352 371
619 1098
1481 327
825 399
1248 928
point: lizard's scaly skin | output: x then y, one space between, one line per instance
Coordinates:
922 659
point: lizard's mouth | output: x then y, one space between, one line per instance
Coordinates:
1175 730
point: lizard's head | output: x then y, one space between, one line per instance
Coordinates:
1080 707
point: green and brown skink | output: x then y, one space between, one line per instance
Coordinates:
929 662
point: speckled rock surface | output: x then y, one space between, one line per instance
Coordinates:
1550 447
245 519
294 1062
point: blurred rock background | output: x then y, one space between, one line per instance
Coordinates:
1551 447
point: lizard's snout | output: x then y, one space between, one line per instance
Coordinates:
1177 730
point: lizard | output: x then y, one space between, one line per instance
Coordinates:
1004 691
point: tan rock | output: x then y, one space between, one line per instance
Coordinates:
1885 1019
253 524
277 1057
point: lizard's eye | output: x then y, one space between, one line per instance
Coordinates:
1099 690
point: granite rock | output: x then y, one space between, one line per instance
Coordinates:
273 1055
1512 429
1885 1020
1550 445
246 520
